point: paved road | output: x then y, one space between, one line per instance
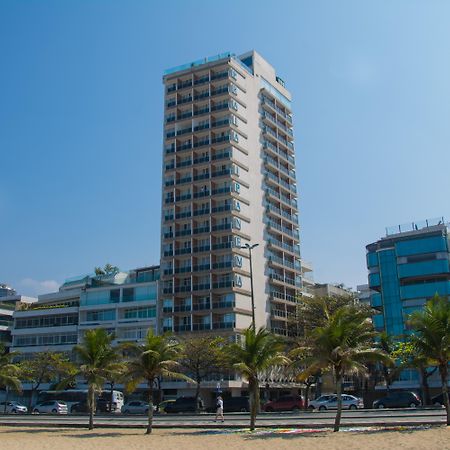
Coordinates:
386 417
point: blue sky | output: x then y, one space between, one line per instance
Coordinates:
81 104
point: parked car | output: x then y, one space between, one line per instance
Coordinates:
184 405
50 407
285 403
161 408
233 404
438 400
403 399
330 401
136 407
101 405
12 408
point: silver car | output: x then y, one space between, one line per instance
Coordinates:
12 408
136 407
50 407
329 401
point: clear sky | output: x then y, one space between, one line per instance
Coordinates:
81 106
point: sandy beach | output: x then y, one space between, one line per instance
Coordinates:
177 439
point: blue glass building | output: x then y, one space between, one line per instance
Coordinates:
406 268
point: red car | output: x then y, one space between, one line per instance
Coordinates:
285 403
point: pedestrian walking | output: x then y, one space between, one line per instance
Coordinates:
219 409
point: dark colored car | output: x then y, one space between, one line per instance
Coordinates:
402 399
438 400
101 405
184 405
233 404
285 403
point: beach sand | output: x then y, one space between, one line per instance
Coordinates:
177 439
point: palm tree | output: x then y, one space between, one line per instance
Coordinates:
96 361
259 351
156 357
431 328
9 372
342 345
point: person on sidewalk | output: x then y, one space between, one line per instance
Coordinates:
219 409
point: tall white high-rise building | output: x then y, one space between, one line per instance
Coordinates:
229 182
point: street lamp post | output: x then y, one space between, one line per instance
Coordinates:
250 248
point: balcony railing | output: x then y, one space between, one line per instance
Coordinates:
224 325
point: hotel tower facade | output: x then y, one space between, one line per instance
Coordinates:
229 183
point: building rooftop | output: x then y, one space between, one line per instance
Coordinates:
207 60
414 226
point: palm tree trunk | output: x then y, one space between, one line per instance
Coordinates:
305 403
111 390
197 393
6 400
443 370
337 421
30 402
254 402
91 405
425 387
150 408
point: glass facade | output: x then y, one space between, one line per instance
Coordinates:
406 269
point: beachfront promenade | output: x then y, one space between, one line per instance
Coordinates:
369 417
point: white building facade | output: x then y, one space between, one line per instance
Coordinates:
229 182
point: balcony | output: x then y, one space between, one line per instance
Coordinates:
221 245
278 195
290 248
219 191
201 287
220 123
293 233
221 227
222 265
182 328
223 284
186 163
224 325
219 139
221 173
201 306
282 296
201 248
184 269
186 288
202 194
183 215
282 213
221 305
220 106
201 267
184 180
201 326
181 198
201 212
222 155
201 176
183 251
182 308
187 232
201 111
201 80
200 230
184 100
201 160
222 208
201 143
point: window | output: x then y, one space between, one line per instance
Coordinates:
128 295
114 295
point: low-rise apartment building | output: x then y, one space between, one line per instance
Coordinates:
124 303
